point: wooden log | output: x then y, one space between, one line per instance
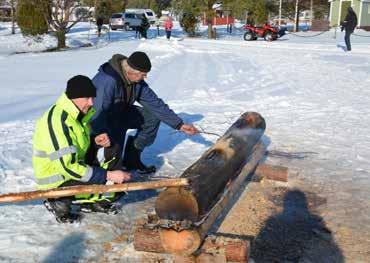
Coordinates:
90 189
272 172
211 258
147 239
189 240
209 175
235 249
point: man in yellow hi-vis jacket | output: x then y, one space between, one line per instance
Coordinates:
65 155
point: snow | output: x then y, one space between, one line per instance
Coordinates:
314 97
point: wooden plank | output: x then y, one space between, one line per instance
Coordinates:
90 189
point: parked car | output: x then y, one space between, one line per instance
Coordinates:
132 20
117 21
148 13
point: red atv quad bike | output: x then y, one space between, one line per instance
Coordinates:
268 32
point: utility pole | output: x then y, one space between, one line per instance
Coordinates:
280 4
311 11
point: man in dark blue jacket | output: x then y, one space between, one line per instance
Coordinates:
119 83
349 24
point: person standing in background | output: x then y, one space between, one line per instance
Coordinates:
99 24
168 27
349 24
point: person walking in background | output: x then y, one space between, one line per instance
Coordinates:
99 24
168 27
119 84
144 27
64 154
349 24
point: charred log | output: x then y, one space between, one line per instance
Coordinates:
211 173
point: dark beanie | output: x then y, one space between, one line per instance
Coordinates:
80 87
139 61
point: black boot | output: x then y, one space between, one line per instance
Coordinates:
132 159
61 209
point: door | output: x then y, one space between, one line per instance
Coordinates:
343 12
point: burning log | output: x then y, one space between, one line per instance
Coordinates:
196 207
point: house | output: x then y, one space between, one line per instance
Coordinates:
5 13
338 10
222 16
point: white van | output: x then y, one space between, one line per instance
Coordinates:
149 14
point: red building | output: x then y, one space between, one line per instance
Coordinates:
222 17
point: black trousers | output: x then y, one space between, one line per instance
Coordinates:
146 123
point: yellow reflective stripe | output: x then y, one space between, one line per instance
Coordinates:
50 179
57 154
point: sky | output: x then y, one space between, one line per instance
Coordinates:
313 96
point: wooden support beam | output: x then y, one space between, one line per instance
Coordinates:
90 189
272 172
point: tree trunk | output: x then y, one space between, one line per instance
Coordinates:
124 4
296 29
210 174
13 16
210 15
61 36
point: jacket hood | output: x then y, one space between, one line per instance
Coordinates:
116 63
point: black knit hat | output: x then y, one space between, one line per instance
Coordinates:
80 87
139 61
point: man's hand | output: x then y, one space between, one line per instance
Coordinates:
102 140
189 129
118 176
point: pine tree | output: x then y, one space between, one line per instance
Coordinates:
260 13
30 18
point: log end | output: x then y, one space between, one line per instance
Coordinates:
254 120
177 203
184 242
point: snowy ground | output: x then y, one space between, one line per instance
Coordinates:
313 95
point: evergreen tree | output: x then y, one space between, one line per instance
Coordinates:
260 12
189 11
30 18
